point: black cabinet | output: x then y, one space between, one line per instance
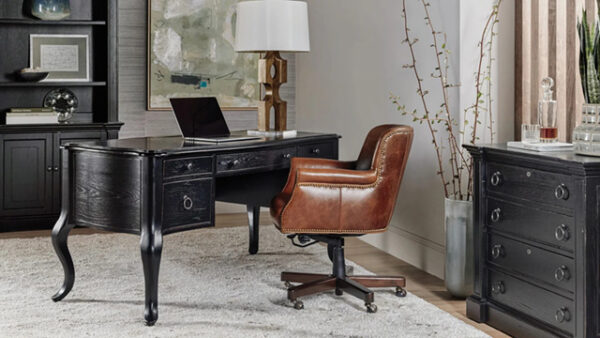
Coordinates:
537 243
27 172
30 172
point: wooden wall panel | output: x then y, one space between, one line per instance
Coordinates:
547 44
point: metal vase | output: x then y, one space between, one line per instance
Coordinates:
459 272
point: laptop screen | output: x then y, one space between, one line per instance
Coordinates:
200 117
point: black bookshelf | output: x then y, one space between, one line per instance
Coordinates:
94 18
30 162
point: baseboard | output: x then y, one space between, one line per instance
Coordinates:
417 251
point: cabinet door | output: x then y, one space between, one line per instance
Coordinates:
60 139
26 182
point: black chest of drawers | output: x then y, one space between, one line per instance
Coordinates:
537 266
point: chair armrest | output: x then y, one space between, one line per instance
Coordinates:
336 176
312 163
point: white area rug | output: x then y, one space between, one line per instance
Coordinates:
209 287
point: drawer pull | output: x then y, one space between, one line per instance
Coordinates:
498 287
188 204
561 233
497 251
562 274
190 166
562 315
287 156
55 169
48 169
315 151
230 164
496 179
496 213
561 192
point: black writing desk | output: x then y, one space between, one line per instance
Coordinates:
157 186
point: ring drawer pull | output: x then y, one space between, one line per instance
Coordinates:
496 179
561 192
497 251
496 213
498 287
287 156
190 166
315 151
562 274
562 315
188 204
561 233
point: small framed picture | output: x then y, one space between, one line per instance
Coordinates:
64 57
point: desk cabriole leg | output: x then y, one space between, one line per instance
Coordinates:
60 232
151 248
63 226
253 225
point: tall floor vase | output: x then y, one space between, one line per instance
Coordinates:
459 247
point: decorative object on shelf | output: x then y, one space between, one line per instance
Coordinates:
65 57
31 116
547 113
63 101
198 60
51 9
586 136
272 26
454 165
31 75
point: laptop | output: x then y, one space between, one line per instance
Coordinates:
200 119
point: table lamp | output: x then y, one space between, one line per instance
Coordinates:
271 27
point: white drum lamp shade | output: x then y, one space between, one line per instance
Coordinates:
272 25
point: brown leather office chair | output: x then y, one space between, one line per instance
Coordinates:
327 200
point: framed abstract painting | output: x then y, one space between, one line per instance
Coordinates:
191 54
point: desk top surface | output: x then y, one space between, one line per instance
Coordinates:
176 144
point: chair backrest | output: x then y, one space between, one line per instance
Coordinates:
386 150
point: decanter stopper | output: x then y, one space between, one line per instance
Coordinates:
547 84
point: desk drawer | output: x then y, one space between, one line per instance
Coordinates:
188 166
188 203
531 223
531 261
267 159
544 305
530 184
321 150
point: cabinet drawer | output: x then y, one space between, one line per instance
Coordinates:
277 158
543 305
531 261
188 203
322 150
531 223
188 166
530 184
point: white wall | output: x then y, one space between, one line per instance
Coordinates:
343 85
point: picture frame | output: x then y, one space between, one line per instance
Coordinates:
198 60
66 57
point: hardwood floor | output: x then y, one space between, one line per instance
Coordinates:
422 284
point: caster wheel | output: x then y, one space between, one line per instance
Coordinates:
400 292
338 292
371 308
287 285
298 305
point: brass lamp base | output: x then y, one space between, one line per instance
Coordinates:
272 101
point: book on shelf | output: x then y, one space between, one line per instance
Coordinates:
32 110
31 118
